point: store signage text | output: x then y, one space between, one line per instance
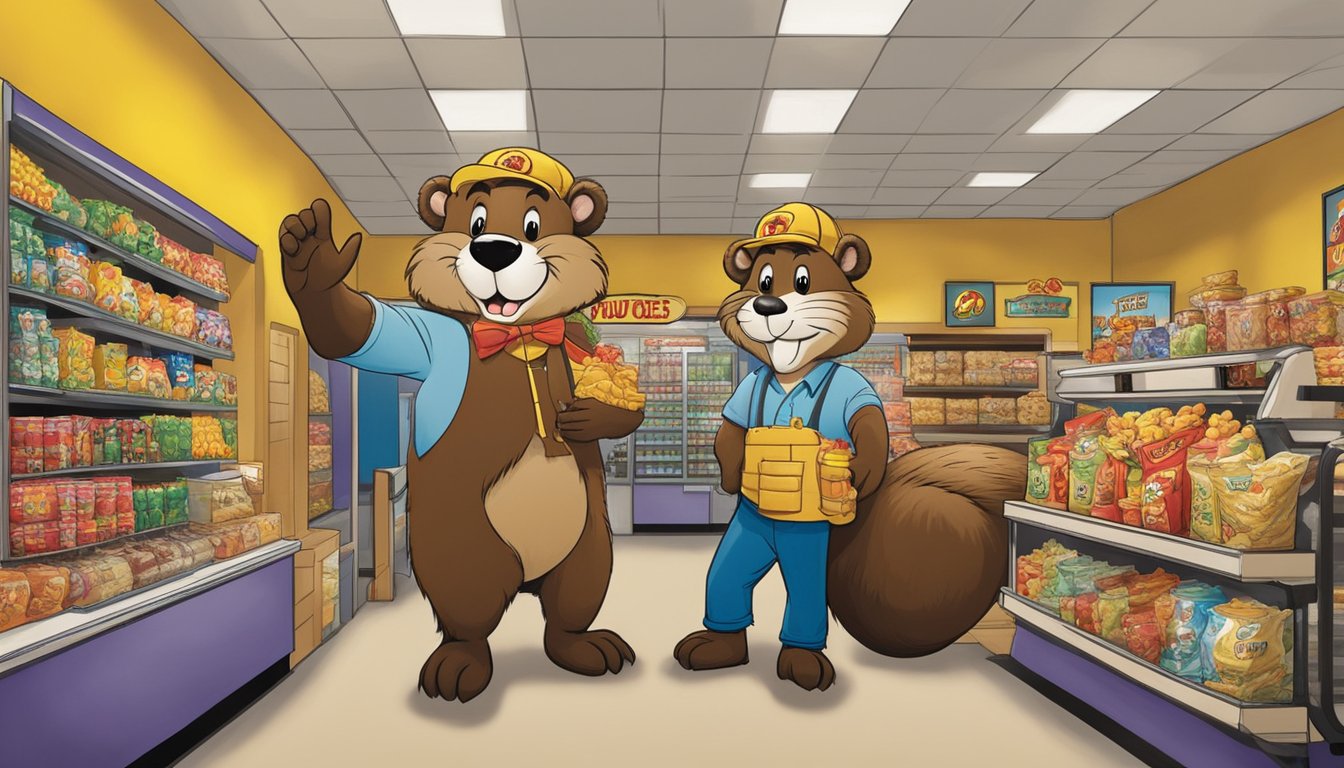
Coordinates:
636 308
1132 303
1038 305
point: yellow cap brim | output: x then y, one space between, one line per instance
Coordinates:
757 242
481 172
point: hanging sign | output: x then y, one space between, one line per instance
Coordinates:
637 308
1043 299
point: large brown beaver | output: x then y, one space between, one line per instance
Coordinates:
505 478
920 560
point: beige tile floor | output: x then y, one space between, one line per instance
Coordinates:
354 701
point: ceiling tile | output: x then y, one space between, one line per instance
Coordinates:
822 62
717 62
895 211
370 189
1137 180
699 165
973 196
264 63
1179 111
906 195
1240 142
1045 182
596 143
1070 18
971 18
1026 62
633 189
856 162
411 184
423 165
406 109
953 211
704 144
848 211
1118 196
751 211
1264 63
1205 157
1153 175
594 63
683 210
1329 74
924 62
934 162
698 188
440 62
926 178
1038 142
602 166
780 163
1085 212
1239 18
1092 165
648 226
616 111
394 225
330 18
1019 211
351 165
590 18
1016 161
1128 142
696 226
828 196
949 143
472 144
1031 196
715 18
372 63
866 143
769 197
211 18
401 207
303 108
620 209
979 111
1277 112
1146 63
889 110
744 224
410 142
790 143
330 142
848 178
724 111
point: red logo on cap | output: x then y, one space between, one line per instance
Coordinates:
515 162
775 226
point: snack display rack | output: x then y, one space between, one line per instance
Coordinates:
1189 722
237 612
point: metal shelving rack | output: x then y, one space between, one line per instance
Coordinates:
1181 718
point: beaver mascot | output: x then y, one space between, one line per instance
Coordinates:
505 478
908 554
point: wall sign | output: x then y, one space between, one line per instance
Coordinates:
1119 309
1043 298
1332 204
969 305
637 308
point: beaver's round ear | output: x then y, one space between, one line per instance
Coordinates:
434 202
588 205
853 256
737 264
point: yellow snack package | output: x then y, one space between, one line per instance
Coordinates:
1258 502
1250 644
109 367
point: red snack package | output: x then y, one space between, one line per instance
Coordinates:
34 538
1131 511
58 441
82 454
67 513
1166 482
25 445
86 526
32 502
1085 613
125 507
105 508
1143 637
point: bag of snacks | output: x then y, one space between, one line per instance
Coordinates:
921 367
1258 502
1048 472
998 410
175 502
212 329
1143 638
14 597
128 305
180 318
26 452
1118 478
1022 372
58 441
1151 344
49 349
147 241
1247 651
106 279
48 585
984 369
1315 319
1085 459
75 358
181 374
1166 482
1189 341
962 410
72 268
226 390
924 411
137 375
149 313
25 352
109 367
95 578
209 271
175 255
1192 601
1329 365
205 378
947 369
218 499
157 383
1033 409
1247 325
1215 313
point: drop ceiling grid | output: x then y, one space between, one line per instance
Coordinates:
950 92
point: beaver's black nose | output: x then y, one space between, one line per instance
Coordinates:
495 254
769 305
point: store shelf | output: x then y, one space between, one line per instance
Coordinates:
1285 567
1319 393
120 469
1271 722
87 547
93 321
134 261
1218 360
31 642
969 391
20 393
1225 396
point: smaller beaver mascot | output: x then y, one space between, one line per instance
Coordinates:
908 554
506 490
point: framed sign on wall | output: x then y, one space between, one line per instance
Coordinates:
1119 309
1332 215
968 305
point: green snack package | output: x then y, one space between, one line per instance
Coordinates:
140 503
1084 461
154 499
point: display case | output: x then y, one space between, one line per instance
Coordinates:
1256 687
883 361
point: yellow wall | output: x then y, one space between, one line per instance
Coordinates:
1259 213
911 261
128 75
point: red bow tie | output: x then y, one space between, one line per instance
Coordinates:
492 337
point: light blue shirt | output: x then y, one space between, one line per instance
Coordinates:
425 346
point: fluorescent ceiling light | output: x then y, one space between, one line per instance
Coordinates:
841 17
1089 111
806 111
460 18
997 179
780 180
482 110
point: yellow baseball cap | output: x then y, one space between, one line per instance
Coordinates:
516 163
795 223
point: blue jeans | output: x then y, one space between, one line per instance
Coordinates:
749 549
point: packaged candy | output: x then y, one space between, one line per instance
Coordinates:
1166 482
39 271
109 367
180 318
106 279
149 313
1215 313
1329 365
1258 502
1315 319
1151 344
26 447
75 358
226 392
25 352
1084 461
1189 341
58 441
147 241
1247 325
1247 651
206 379
1192 603
181 375
175 255
128 307
212 329
209 271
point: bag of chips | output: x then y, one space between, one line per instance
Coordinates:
109 367
1258 502
1166 482
106 279
75 358
1192 602
1084 461
181 375
25 352
1248 651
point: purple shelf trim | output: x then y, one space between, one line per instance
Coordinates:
36 114
669 505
